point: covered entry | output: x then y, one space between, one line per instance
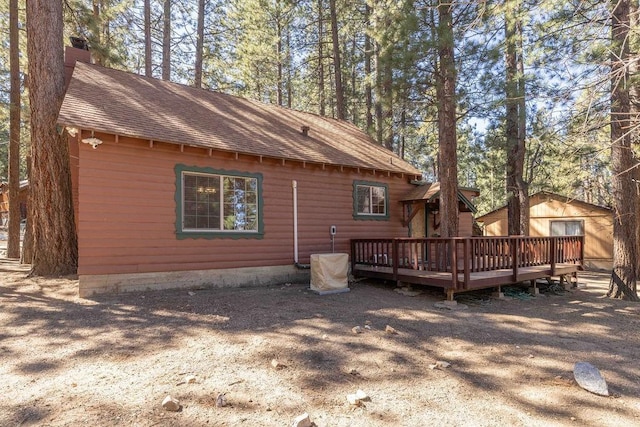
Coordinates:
421 210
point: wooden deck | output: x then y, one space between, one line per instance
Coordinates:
481 262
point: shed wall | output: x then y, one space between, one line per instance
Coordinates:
598 226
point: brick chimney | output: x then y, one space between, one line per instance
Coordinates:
78 52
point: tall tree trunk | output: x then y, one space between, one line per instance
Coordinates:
321 90
147 39
26 257
289 83
166 42
97 54
517 189
337 68
280 82
447 135
523 185
13 238
368 90
387 88
403 130
51 216
355 119
199 44
378 100
634 71
625 197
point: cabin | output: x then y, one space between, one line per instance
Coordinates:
175 186
23 194
555 215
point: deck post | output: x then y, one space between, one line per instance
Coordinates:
515 246
395 258
353 256
554 255
467 262
453 250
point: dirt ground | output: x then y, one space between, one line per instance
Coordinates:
111 360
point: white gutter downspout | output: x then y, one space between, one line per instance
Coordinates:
294 184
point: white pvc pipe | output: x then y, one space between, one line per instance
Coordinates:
294 184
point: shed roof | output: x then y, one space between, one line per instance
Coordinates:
117 102
549 195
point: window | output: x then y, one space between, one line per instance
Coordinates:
213 202
567 228
370 200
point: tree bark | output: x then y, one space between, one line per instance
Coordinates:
517 188
447 134
623 283
634 71
523 185
279 93
322 101
51 215
97 55
354 81
368 90
289 60
387 87
377 107
337 67
166 42
199 44
147 39
13 238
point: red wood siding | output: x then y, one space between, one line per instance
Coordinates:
127 213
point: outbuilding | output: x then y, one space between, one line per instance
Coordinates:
556 215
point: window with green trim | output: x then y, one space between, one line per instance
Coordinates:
219 203
371 199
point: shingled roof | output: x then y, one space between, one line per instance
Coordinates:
117 102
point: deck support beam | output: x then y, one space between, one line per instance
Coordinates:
450 293
498 294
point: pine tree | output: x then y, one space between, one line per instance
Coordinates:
166 41
13 240
51 216
199 44
517 187
625 198
447 122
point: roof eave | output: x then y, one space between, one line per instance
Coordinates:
415 173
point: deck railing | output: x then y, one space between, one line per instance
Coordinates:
467 254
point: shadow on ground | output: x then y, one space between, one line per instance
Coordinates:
513 358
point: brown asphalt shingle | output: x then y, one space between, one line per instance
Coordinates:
422 192
126 104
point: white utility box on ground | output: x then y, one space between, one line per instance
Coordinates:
329 273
